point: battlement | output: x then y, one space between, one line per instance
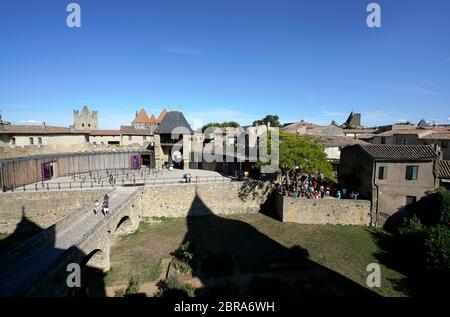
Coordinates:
86 120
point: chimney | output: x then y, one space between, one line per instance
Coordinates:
44 125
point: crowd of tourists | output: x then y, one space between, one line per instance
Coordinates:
302 186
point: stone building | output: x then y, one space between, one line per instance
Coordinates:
126 136
13 136
391 176
141 121
333 147
307 128
173 140
85 120
353 121
437 136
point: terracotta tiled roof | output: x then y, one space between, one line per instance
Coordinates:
359 131
444 169
105 132
153 119
141 117
161 115
341 141
40 129
130 130
312 129
391 152
421 132
437 136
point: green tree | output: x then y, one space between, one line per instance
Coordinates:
274 121
444 202
304 153
225 124
437 249
301 153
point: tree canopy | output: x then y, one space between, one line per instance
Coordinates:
300 152
305 153
225 124
274 121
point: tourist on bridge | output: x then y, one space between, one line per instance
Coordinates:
105 207
96 207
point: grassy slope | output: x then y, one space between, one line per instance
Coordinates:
344 249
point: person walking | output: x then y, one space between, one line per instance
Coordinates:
96 207
105 207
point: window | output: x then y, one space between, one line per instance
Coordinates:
410 200
89 124
383 140
13 141
382 172
444 144
411 172
130 137
404 141
31 141
82 124
39 140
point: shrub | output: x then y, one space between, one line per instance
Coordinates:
184 252
411 226
119 293
444 204
220 264
181 266
437 249
173 287
133 286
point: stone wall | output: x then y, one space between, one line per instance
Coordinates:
41 208
193 200
323 211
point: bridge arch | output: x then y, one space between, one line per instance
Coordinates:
125 226
97 259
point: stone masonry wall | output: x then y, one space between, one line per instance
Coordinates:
194 200
323 211
42 208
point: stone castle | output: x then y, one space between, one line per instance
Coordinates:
86 120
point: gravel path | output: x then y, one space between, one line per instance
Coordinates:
17 275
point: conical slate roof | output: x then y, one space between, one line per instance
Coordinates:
171 121
422 123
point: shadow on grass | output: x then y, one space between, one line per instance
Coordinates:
230 254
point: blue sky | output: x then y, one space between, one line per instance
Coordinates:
225 60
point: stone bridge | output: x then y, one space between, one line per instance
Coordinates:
38 267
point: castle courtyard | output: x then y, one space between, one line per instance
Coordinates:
253 241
